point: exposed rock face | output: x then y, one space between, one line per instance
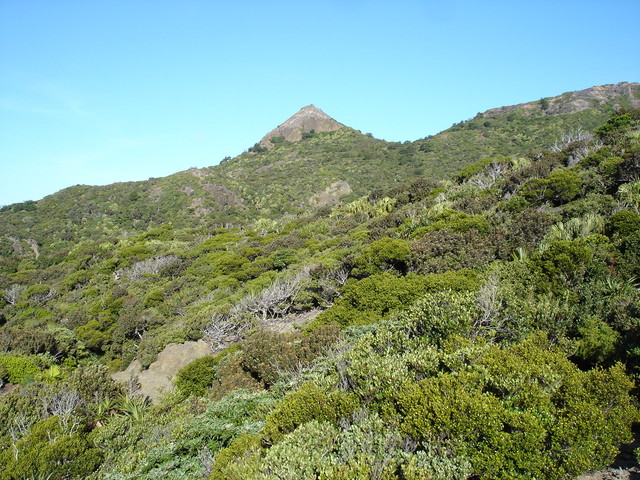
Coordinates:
573 102
331 195
307 119
223 196
157 378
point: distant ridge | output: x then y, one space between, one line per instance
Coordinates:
573 102
306 119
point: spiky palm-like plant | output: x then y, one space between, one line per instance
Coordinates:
629 195
573 229
134 406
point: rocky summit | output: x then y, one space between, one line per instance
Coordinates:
306 119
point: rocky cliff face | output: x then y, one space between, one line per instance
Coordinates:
308 118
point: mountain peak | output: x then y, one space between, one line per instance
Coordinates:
306 119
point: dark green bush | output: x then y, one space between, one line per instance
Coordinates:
197 377
565 262
476 167
371 299
561 186
308 403
458 222
385 254
622 224
444 250
47 451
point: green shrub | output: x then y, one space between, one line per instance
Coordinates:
232 376
622 224
438 315
371 299
597 341
630 264
239 460
458 222
281 259
93 335
307 403
18 369
267 356
613 130
564 263
93 383
444 250
197 377
46 451
302 454
609 166
524 412
385 254
561 186
476 167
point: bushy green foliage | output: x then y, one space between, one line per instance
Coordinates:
477 167
18 369
438 315
623 223
458 222
372 298
269 356
531 413
565 262
385 254
239 460
232 376
561 186
597 341
197 377
615 128
367 448
178 440
443 251
308 403
49 451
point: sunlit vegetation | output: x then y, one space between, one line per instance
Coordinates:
483 326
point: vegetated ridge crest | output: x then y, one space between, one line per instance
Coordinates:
306 119
573 102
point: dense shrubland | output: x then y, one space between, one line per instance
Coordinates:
485 326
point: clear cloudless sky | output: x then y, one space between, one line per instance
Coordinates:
100 91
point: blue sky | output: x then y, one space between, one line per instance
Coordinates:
99 91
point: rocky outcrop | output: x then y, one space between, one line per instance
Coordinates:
157 379
331 195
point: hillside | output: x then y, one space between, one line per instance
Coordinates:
478 322
320 169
